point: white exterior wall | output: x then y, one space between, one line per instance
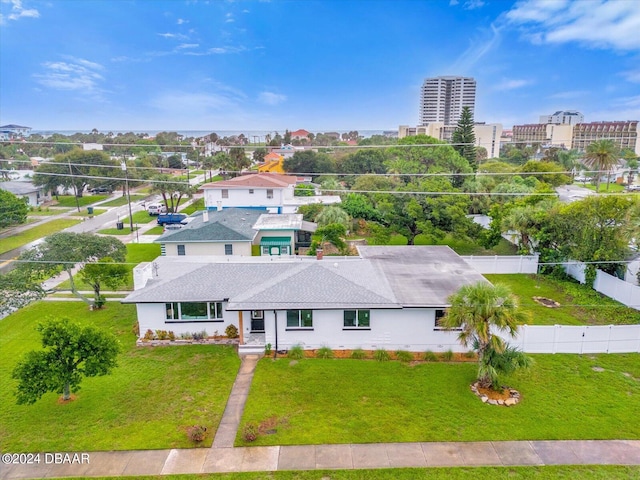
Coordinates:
393 329
240 197
488 136
209 248
152 316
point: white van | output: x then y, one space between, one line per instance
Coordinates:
156 209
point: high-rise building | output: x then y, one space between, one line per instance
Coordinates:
623 134
570 117
442 99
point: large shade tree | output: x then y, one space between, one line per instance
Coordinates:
71 352
479 310
601 155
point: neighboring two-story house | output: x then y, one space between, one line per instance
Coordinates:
237 231
264 191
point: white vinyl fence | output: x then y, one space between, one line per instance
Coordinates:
577 339
503 263
624 292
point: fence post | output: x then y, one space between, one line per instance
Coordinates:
520 265
555 339
609 340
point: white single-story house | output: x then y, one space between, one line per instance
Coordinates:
235 231
271 192
387 298
34 195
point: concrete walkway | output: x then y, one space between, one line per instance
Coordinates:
226 434
321 457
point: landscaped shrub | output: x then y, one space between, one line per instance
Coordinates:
231 331
162 334
404 356
172 335
196 433
381 355
470 354
429 356
448 355
398 240
250 432
149 335
99 302
423 239
267 349
186 336
358 354
324 352
200 335
296 352
136 329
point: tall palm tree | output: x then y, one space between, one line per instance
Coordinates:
601 155
479 309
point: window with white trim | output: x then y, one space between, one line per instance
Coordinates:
357 319
299 318
439 321
181 250
269 193
225 193
193 311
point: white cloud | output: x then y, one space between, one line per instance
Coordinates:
598 23
512 84
18 11
181 21
271 98
177 36
478 49
632 76
187 45
453 3
230 18
76 74
473 4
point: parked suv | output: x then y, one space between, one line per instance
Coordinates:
156 209
171 218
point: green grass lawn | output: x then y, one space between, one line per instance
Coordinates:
358 401
146 403
140 217
46 211
70 200
114 231
197 205
159 230
136 253
579 304
118 202
613 187
85 212
28 236
562 472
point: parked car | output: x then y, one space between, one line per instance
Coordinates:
633 188
156 209
101 190
171 218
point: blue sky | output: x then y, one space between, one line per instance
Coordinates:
319 65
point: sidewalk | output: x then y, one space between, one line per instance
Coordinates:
353 456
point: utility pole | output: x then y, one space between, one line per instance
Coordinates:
75 189
126 183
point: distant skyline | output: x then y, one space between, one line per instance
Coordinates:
319 65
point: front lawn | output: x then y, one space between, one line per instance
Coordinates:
579 304
197 205
613 187
70 200
147 403
159 230
40 231
46 211
114 231
319 401
139 217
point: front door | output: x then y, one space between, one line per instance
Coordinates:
257 321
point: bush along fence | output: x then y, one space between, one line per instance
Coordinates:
624 292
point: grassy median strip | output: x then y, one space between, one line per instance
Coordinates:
318 401
148 402
70 200
118 202
28 236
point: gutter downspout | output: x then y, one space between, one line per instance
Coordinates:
275 350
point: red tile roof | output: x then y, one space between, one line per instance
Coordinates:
265 180
300 133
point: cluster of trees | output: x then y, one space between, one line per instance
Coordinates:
13 210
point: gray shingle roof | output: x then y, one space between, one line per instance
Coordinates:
231 224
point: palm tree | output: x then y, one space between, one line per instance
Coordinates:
479 309
569 159
601 155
